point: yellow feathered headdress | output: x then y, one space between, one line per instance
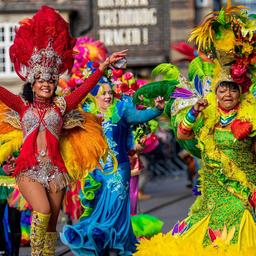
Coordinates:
228 38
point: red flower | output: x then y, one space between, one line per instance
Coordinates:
252 199
130 92
239 68
117 72
124 87
117 95
239 73
135 86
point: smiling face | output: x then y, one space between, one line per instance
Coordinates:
104 97
44 89
228 95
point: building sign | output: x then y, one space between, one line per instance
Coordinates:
135 20
138 25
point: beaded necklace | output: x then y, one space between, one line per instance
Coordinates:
227 116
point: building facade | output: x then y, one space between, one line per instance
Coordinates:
146 27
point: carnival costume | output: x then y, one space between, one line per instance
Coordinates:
10 228
43 48
86 49
105 224
143 225
222 220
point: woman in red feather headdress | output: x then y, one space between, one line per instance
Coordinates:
42 50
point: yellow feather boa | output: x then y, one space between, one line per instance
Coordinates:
82 149
246 112
10 142
191 242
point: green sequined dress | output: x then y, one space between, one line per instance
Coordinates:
224 202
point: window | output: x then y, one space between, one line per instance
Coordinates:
7 32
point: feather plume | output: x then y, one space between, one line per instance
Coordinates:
198 86
182 226
182 93
196 68
9 143
184 49
204 34
162 88
230 235
168 70
175 229
168 107
211 235
36 32
82 149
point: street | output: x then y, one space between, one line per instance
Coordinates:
170 202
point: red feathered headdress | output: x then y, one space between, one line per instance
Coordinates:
42 46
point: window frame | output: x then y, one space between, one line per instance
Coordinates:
8 34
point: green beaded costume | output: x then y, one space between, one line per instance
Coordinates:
217 201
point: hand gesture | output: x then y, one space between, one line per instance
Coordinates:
159 103
114 57
201 105
9 167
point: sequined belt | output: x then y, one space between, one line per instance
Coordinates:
44 173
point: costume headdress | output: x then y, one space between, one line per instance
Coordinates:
42 46
228 38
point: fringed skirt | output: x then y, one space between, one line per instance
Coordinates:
45 173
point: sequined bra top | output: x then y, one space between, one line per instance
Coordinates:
52 121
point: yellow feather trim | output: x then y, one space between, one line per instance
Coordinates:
246 112
10 142
5 127
82 149
191 242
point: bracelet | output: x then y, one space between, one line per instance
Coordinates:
195 112
183 129
188 121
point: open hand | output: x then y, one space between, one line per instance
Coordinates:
159 102
9 167
201 105
114 57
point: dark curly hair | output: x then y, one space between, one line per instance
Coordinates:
27 92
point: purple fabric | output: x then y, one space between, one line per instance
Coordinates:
134 189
